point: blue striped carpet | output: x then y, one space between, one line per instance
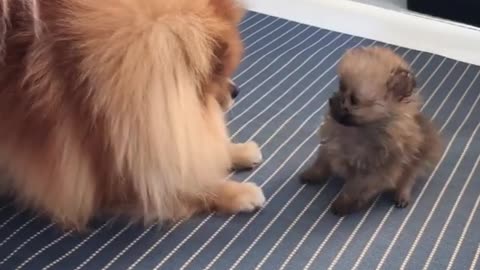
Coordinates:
286 76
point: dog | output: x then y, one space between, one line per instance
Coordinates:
374 136
118 106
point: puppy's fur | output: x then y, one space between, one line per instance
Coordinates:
118 105
374 136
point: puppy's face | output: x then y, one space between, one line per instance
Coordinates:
227 54
374 84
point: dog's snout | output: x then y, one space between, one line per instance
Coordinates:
234 90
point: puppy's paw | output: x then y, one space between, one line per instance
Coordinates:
343 206
339 209
313 176
236 197
402 204
246 155
402 200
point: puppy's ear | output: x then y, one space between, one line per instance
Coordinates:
401 83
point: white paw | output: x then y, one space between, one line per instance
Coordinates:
247 155
251 198
253 152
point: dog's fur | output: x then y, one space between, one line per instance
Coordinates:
118 105
374 136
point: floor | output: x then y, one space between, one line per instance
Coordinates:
401 28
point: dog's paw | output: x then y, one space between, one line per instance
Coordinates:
253 154
246 156
239 197
251 198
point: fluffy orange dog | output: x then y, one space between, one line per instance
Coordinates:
119 105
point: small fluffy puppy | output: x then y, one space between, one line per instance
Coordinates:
118 105
374 137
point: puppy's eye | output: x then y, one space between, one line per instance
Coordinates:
353 100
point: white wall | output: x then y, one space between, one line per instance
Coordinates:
390 4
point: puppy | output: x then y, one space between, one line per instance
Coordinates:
374 137
118 105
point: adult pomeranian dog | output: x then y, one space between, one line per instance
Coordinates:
118 105
374 136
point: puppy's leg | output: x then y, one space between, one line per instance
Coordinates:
357 195
232 197
245 155
404 188
318 172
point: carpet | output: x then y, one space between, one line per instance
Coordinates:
286 77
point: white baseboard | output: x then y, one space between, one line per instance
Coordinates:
398 28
